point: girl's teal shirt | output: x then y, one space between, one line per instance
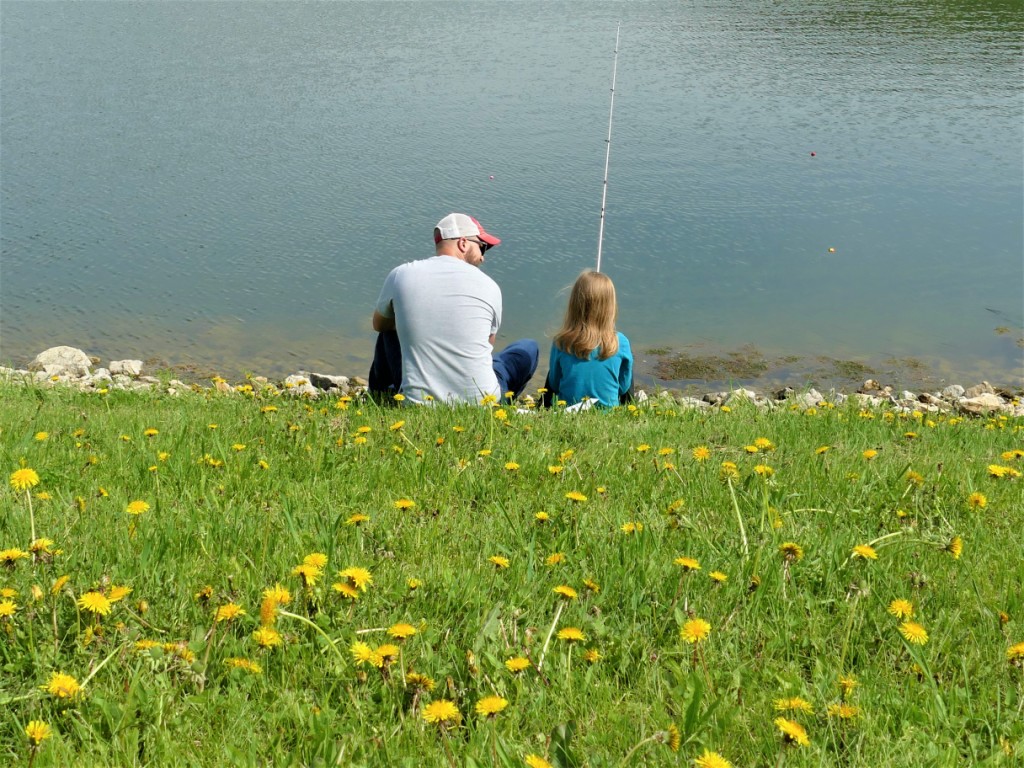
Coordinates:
572 378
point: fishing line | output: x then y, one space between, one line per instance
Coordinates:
608 149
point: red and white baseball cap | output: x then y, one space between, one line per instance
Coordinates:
456 225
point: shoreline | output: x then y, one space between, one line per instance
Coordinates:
72 367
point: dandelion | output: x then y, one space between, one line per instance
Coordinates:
1015 653
137 507
41 436
364 654
955 547
700 453
729 470
792 732
750 448
843 711
360 578
118 592
542 517
555 469
37 732
95 603
673 738
977 501
554 559
592 656
263 464
643 448
687 563
666 451
565 591
418 681
244 664
914 632
847 683
442 713
592 585
309 574
267 637
388 653
24 478
62 686
792 704
575 496
711 760
357 519
764 470
517 664
791 551
511 466
485 452
7 609
490 706
571 635
414 584
397 426
632 527
228 612
822 449
8 557
499 562
718 577
315 559
536 761
901 609
402 631
405 504
914 478
865 551
695 631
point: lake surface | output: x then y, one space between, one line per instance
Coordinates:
228 183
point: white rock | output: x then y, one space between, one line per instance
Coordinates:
979 389
983 403
126 367
69 360
953 392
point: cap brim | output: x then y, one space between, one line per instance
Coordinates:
491 240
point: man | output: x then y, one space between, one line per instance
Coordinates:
438 318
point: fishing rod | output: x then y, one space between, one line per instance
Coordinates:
608 149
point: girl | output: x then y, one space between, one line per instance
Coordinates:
589 359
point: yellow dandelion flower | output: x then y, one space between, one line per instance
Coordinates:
792 704
688 563
555 469
309 574
490 706
404 504
244 664
592 585
511 466
498 561
315 559
442 712
869 454
23 479
263 464
416 680
955 547
228 612
118 592
977 501
695 631
536 761
914 632
792 732
750 448
764 470
357 519
542 517
554 559
847 683
1015 652
397 426
62 686
7 608
901 609
701 453
9 557
764 444
388 653
718 576
575 496
517 664
998 471
632 527
346 589
791 551
360 578
865 551
414 584
402 631
592 656
643 448
41 436
137 507
95 603
711 760
37 732
843 711
485 452
565 591
364 654
666 451
58 584
571 635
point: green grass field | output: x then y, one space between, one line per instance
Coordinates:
251 579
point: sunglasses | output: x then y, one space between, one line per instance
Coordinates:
482 245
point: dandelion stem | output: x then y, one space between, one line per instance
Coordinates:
325 636
739 518
31 514
100 666
642 742
551 631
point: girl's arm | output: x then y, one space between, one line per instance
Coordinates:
554 379
625 371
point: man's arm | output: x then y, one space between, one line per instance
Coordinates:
381 323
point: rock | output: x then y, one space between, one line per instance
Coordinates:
359 381
327 383
298 385
692 403
869 401
715 398
979 389
870 386
953 392
981 404
62 361
810 399
935 402
126 367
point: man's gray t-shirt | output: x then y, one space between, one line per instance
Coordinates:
445 310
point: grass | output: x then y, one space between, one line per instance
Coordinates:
242 488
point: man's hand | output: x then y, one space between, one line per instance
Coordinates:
381 323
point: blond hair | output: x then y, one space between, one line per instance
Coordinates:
590 318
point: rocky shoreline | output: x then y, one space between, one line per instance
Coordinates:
69 366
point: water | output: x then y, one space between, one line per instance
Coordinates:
228 183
